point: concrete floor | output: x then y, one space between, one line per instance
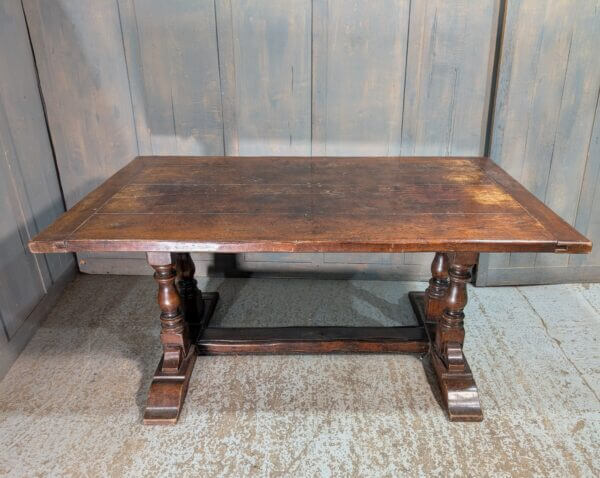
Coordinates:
71 404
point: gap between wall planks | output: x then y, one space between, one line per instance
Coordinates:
545 130
30 197
257 77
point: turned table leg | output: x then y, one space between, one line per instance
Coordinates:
435 295
457 386
191 297
171 379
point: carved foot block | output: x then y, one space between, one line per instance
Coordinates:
459 392
167 393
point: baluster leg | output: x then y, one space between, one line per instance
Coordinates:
191 297
435 295
169 386
457 386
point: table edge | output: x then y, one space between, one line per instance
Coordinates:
52 239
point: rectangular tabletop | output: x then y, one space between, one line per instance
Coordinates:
310 204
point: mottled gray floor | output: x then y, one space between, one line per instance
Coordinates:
71 404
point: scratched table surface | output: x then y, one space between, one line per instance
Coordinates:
310 204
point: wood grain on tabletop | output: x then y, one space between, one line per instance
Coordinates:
304 204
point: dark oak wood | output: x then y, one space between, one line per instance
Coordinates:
315 204
435 295
310 340
458 390
181 321
171 206
191 296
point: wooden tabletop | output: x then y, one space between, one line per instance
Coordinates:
310 204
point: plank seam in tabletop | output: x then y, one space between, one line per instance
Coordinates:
96 212
56 241
517 191
483 159
326 182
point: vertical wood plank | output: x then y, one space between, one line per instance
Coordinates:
227 79
81 63
265 73
27 146
533 62
358 61
449 66
359 50
574 129
171 50
510 152
21 285
546 99
24 278
588 210
448 76
83 75
270 48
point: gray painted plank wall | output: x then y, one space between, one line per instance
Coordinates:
545 130
30 196
241 77
83 74
449 73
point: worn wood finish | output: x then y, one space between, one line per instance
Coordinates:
395 77
308 215
185 311
358 76
322 77
79 50
21 284
169 206
434 300
448 75
457 388
191 297
312 340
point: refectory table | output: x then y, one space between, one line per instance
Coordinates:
171 206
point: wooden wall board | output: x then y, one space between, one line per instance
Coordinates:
265 61
30 196
173 71
27 146
22 284
84 79
171 52
361 49
448 77
358 77
588 209
10 349
83 75
265 75
548 84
